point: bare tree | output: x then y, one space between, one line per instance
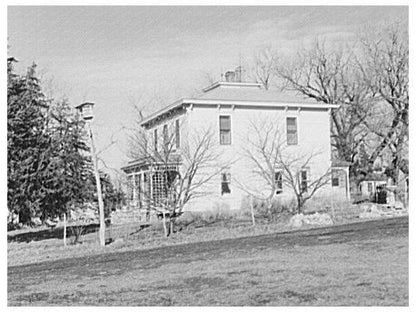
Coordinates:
386 67
297 176
335 78
268 152
142 105
181 169
263 148
209 77
264 68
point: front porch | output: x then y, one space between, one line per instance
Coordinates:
150 184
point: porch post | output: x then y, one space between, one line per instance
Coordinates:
134 189
151 185
347 172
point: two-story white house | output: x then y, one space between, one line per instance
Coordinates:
230 109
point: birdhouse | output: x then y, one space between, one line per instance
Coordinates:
86 110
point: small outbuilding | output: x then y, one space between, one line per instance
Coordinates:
374 187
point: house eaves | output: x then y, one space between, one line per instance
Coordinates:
234 103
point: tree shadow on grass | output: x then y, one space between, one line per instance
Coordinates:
57 232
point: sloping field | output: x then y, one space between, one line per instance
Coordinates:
356 264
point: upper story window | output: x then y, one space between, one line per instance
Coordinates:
278 180
291 131
177 134
225 130
155 139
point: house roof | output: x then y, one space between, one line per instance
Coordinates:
251 92
242 94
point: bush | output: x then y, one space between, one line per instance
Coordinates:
219 213
77 231
402 195
279 206
337 208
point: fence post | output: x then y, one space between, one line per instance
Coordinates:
252 210
64 228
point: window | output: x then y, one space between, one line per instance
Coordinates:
278 180
370 187
291 131
165 138
225 183
146 186
155 139
177 134
335 178
304 181
225 130
130 187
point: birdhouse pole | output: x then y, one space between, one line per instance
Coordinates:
98 183
86 112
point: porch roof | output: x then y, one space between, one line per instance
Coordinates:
145 163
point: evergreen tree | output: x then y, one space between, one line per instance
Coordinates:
27 141
113 196
47 163
65 179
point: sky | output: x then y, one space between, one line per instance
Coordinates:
115 56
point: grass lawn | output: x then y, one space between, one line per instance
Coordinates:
360 264
25 247
35 245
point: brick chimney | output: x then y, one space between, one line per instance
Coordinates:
230 76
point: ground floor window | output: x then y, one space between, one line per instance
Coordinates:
225 183
278 180
130 187
335 178
370 187
304 181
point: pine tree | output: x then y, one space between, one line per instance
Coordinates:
65 179
27 141
48 166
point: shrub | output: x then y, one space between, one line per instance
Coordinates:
77 231
338 208
402 195
279 206
219 213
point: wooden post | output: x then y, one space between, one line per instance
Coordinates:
252 210
98 184
134 189
347 179
332 204
164 224
64 228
